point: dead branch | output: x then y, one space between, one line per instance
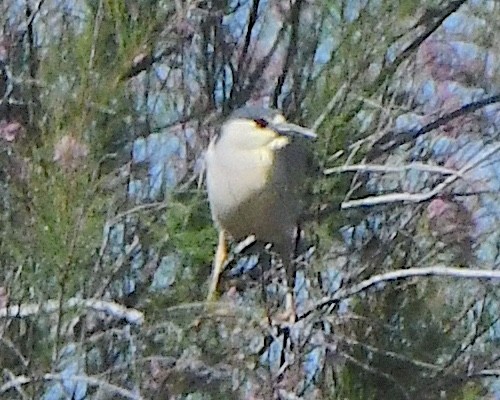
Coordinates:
112 309
429 272
406 197
392 169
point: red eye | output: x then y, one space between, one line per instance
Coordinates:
261 123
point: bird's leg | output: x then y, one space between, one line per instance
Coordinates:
290 310
291 275
265 262
287 253
218 266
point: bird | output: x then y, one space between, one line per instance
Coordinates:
257 170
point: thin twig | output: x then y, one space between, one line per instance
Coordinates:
95 34
141 207
329 107
375 371
391 354
486 373
118 264
392 169
24 380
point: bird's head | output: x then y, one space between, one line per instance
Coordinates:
257 127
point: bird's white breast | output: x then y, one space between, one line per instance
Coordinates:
234 177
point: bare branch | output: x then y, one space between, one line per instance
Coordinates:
144 61
97 26
157 206
420 197
394 140
115 310
12 347
460 273
291 51
241 93
252 19
438 19
31 19
486 373
329 107
109 387
390 169
11 376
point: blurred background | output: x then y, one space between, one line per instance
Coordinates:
106 240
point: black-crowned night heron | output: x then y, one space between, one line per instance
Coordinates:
256 172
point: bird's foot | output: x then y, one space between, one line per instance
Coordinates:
289 316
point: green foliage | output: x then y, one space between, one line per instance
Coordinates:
190 229
350 387
186 232
471 391
399 321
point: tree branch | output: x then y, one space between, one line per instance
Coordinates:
131 315
109 387
420 197
252 19
390 142
437 18
291 51
390 169
437 271
241 93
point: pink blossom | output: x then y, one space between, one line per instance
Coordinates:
10 130
70 153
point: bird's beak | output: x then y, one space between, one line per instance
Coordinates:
287 129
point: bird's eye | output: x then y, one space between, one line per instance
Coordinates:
261 123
